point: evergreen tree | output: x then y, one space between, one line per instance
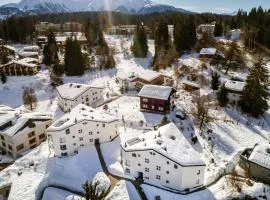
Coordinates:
3 78
140 46
222 96
3 55
255 95
50 49
233 57
218 30
162 38
93 191
74 61
215 83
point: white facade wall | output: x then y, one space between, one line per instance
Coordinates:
82 134
23 138
171 174
91 97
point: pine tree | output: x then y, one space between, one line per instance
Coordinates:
50 49
92 191
234 57
218 30
215 83
140 46
255 95
3 78
222 96
3 55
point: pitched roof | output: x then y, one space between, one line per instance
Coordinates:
208 51
73 90
156 92
235 85
168 141
261 155
81 113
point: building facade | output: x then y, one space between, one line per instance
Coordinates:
73 94
155 98
163 158
82 126
20 68
20 132
234 90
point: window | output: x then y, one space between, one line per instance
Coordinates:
19 147
87 99
158 168
146 160
158 177
10 147
81 145
91 140
97 124
73 136
90 133
62 140
168 162
127 163
67 131
127 170
199 172
167 172
81 138
103 125
160 108
32 141
153 107
84 123
145 100
198 181
64 154
175 166
31 134
139 164
134 155
145 106
167 181
74 144
3 144
147 178
80 131
97 132
146 169
42 136
2 137
63 147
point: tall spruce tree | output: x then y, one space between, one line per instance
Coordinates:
255 95
215 83
74 61
222 96
234 57
218 30
3 78
50 49
3 55
140 46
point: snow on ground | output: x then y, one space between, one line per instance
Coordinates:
54 193
79 168
123 190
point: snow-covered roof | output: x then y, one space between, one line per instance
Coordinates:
235 85
261 155
28 60
18 121
73 90
156 92
81 113
31 48
11 48
28 54
191 83
147 75
208 51
168 141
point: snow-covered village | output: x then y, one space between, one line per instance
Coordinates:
133 100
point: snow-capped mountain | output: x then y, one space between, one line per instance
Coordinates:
49 6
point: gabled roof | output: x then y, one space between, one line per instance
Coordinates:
81 113
236 86
169 142
147 75
156 92
261 155
73 90
208 51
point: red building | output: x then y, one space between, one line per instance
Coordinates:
154 98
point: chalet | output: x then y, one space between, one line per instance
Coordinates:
20 132
23 67
123 29
31 49
257 161
72 94
234 34
235 90
146 77
82 126
155 98
163 158
208 29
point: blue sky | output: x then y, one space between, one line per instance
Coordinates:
218 6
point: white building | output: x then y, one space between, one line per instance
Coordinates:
73 94
235 90
20 132
234 34
163 158
82 126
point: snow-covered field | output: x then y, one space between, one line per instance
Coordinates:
232 132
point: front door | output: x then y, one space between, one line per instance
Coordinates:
140 175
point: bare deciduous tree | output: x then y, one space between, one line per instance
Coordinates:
202 111
29 98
